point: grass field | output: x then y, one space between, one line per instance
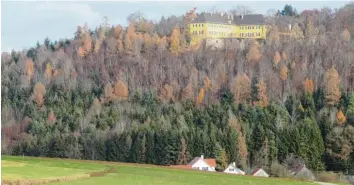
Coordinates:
19 170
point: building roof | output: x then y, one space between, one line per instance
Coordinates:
298 168
211 162
210 17
255 171
251 19
193 161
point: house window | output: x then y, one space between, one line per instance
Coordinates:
205 168
252 27
231 169
202 31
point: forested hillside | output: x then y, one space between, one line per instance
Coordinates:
142 94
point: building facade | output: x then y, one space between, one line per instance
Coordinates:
215 28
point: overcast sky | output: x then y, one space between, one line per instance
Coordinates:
25 23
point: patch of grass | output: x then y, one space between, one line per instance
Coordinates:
74 172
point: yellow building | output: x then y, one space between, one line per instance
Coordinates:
215 28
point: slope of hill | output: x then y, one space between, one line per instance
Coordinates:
73 171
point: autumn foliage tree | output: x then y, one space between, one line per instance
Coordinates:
200 96
51 118
120 90
129 37
308 86
29 69
254 55
284 73
166 93
175 41
345 35
241 88
38 94
341 119
262 94
187 92
276 58
332 90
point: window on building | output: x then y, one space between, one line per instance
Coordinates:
205 168
231 169
252 27
202 31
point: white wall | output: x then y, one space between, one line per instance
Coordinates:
235 170
261 173
200 164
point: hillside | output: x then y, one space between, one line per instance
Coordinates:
122 174
141 94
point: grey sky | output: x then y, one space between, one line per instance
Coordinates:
25 23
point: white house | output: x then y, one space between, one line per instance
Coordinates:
233 169
200 163
260 173
301 171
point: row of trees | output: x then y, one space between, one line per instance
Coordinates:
143 94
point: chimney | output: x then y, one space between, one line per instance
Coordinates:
202 156
242 16
234 164
222 14
289 27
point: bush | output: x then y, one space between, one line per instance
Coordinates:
278 170
327 177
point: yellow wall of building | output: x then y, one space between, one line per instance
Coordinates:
200 31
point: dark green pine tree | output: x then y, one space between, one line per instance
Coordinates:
113 148
150 147
350 110
254 90
221 158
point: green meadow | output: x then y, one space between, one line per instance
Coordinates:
28 170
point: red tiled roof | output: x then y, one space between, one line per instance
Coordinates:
211 162
298 168
255 171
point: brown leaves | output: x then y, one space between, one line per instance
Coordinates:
120 90
345 35
48 72
276 58
166 93
332 87
38 94
175 41
308 86
87 44
129 37
51 118
118 32
284 73
284 56
206 83
200 96
254 55
29 69
341 119
81 51
262 94
241 88
187 93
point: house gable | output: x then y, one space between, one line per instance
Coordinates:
233 169
260 172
